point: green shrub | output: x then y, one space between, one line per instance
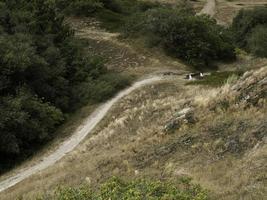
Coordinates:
25 122
249 27
257 41
84 7
113 5
117 189
196 39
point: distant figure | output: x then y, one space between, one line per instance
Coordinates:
198 75
190 77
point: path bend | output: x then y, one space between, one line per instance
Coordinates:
79 135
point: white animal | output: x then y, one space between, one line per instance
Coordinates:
190 77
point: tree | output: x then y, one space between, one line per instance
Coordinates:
196 39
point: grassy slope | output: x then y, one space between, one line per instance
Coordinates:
134 145
224 150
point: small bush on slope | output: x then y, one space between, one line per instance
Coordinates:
250 27
116 189
257 42
81 7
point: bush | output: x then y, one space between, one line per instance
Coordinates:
25 122
117 189
196 39
250 27
257 41
84 7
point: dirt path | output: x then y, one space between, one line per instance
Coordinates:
91 122
209 8
87 126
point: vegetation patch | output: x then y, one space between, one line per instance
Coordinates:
112 13
45 74
250 30
117 189
198 40
217 79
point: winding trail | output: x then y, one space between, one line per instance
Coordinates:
82 131
88 125
209 8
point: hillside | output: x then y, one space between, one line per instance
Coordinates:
217 143
134 126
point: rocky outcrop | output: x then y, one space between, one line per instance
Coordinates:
252 87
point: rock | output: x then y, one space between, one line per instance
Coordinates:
252 87
185 115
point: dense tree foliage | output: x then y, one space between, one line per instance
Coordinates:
250 28
44 73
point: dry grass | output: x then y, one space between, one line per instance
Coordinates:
224 151
128 60
107 152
